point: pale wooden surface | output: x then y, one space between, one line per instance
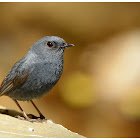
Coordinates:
11 127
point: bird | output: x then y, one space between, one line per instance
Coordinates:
35 74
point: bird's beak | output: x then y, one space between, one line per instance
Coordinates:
69 45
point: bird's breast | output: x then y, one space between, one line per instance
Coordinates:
47 72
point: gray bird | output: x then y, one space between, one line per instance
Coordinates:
36 73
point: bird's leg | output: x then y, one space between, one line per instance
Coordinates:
41 115
24 114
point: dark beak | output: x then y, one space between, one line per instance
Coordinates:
69 45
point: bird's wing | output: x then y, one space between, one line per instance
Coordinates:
9 85
15 78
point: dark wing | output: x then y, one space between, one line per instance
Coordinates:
15 78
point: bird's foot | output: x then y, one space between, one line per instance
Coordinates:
37 119
32 118
42 117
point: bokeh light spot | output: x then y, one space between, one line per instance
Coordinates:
130 104
78 90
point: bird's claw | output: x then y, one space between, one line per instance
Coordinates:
33 118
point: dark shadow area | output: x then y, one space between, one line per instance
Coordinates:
15 114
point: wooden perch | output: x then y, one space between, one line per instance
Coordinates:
11 127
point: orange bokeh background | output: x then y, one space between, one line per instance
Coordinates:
98 94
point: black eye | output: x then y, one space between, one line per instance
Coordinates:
50 44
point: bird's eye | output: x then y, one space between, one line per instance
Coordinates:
50 44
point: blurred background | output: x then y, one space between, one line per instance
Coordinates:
98 94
